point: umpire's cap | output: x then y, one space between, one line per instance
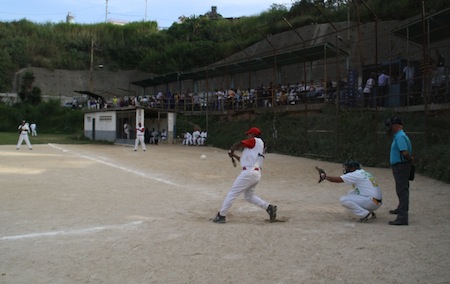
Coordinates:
254 130
395 120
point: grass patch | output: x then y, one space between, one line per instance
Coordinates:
11 138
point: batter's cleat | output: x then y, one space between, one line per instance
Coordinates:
374 216
219 219
272 210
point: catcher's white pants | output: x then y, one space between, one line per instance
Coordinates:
358 204
139 139
23 137
245 183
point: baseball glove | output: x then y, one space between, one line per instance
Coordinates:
322 174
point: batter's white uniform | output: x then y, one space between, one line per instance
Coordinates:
23 135
140 132
366 195
251 163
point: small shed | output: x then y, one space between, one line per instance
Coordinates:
107 124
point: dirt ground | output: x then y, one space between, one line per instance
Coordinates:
106 214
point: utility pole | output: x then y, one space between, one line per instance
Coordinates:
145 19
106 14
91 69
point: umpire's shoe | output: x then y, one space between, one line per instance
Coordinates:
219 219
272 210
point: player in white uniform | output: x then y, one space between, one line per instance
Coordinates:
24 130
33 127
202 138
365 197
187 139
140 132
251 163
195 136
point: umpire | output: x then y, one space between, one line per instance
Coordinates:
401 160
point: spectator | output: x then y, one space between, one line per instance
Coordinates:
155 136
440 68
126 130
369 90
409 74
163 135
187 139
202 138
195 136
383 88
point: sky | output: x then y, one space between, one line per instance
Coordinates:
165 12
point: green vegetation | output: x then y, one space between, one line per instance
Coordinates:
200 41
361 136
197 42
10 138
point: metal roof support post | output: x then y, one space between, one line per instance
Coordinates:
338 75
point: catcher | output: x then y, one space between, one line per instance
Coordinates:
365 197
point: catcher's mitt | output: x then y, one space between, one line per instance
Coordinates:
322 174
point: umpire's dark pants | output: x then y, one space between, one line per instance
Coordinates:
401 176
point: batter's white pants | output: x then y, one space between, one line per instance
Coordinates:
23 137
245 183
358 204
139 139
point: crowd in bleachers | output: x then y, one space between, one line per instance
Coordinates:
272 95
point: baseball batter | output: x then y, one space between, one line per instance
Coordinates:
140 132
251 163
23 130
365 197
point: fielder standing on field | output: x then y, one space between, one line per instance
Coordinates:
23 130
140 133
365 197
401 160
251 163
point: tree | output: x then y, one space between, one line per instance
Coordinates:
29 94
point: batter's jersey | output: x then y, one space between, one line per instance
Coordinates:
253 153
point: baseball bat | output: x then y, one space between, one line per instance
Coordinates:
232 159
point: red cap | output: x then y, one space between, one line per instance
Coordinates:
254 131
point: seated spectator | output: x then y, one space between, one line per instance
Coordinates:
163 135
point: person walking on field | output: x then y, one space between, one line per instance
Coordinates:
140 132
33 129
126 130
251 163
365 197
24 130
401 160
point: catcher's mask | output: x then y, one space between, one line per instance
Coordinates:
350 166
391 121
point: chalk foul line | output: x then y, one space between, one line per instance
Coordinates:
71 232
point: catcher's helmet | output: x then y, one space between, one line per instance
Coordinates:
351 164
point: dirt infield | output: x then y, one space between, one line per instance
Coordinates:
106 214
